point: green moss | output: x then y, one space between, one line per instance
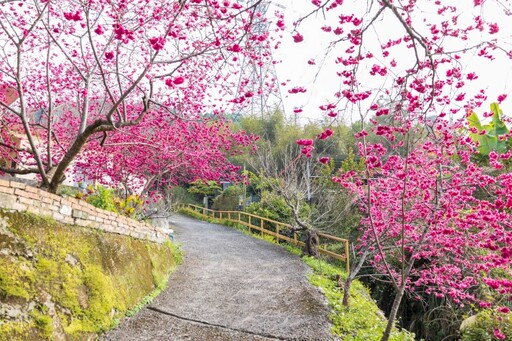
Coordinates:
15 331
102 297
176 251
43 322
18 280
93 278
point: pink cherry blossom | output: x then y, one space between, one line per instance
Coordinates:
324 160
298 38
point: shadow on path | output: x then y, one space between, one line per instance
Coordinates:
231 287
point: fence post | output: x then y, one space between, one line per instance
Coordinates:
295 238
261 226
277 234
347 255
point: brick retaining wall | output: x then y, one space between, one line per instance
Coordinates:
16 196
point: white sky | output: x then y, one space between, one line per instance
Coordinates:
493 76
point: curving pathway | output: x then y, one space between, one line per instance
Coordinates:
231 287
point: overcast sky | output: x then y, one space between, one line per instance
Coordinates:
494 76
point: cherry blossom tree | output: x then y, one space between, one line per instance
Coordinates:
427 225
83 72
426 228
165 152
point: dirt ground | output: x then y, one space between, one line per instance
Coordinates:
231 287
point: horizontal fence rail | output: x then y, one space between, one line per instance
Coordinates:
331 246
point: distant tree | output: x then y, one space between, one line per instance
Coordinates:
312 204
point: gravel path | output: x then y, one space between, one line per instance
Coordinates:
231 287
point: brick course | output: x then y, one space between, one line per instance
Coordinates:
15 196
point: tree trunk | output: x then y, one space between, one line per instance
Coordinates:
346 290
60 171
393 312
351 276
311 247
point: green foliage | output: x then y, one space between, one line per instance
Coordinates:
351 164
130 206
204 188
102 197
271 206
334 206
105 198
281 136
267 126
481 327
259 183
183 196
361 321
489 141
228 200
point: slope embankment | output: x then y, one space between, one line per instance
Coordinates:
62 281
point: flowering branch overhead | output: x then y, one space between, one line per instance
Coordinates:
98 69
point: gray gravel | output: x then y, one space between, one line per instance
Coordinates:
231 287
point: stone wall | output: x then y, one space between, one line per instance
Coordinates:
16 196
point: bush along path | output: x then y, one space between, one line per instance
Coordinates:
231 287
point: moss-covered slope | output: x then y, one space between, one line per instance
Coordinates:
64 282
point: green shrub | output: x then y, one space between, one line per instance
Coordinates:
271 206
106 199
228 200
182 196
130 206
484 326
102 197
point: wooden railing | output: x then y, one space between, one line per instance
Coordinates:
331 246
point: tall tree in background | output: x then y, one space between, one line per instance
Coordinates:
86 71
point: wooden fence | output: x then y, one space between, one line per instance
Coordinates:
331 246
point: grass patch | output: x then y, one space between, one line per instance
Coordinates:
362 320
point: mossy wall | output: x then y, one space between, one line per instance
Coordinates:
63 282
